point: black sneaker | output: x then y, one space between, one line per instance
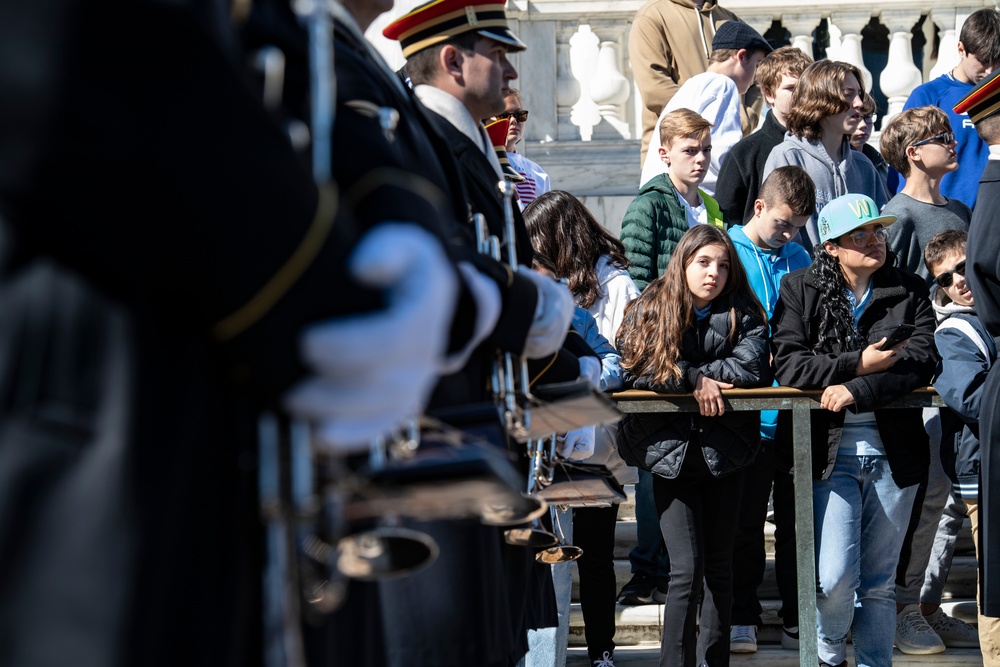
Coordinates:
639 590
660 594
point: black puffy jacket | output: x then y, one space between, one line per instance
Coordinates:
897 296
658 442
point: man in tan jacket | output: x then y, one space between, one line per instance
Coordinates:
671 41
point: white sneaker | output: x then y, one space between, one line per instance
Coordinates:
607 660
790 638
953 632
913 634
743 639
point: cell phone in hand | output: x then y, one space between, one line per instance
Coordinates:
899 333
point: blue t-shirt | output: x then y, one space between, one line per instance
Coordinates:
945 92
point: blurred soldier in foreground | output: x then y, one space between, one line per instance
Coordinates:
162 253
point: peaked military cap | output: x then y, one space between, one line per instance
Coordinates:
440 20
982 101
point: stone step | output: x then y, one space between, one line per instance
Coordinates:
647 655
643 624
625 538
961 580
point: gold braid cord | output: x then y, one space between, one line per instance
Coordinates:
279 284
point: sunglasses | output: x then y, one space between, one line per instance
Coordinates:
862 239
520 115
948 277
945 138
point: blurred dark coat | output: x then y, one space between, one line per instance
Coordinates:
983 258
145 197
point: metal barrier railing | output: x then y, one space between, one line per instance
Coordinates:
800 402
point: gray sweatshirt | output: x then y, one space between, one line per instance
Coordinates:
854 174
916 222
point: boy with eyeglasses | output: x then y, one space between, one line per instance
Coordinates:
979 55
920 145
967 352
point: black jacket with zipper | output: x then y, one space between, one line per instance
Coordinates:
658 442
896 297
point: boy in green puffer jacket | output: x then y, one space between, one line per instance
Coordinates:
670 204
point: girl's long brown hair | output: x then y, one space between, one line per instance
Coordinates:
649 339
562 228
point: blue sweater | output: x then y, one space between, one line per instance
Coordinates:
764 272
945 92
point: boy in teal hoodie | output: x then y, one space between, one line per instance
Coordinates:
784 205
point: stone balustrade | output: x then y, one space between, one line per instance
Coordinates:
576 79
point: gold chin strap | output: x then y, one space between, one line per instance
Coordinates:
279 284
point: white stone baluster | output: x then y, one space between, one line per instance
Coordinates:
584 49
567 93
900 75
759 22
945 20
850 25
801 26
610 90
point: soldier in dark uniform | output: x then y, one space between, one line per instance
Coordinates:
476 35
394 154
983 258
161 251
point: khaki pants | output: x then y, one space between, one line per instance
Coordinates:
989 628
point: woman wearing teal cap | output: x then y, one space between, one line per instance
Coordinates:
833 330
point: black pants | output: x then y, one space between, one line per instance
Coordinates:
749 557
698 516
594 532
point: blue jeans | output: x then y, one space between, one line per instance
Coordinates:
861 518
923 567
649 556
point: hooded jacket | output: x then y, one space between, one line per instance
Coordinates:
853 174
658 442
967 352
896 297
653 226
617 289
670 42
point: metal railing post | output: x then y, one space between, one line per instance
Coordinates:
805 543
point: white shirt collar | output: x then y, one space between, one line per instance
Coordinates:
696 215
447 105
994 152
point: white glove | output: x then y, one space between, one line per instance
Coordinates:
375 370
578 445
552 316
590 370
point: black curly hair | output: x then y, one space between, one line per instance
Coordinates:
836 320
